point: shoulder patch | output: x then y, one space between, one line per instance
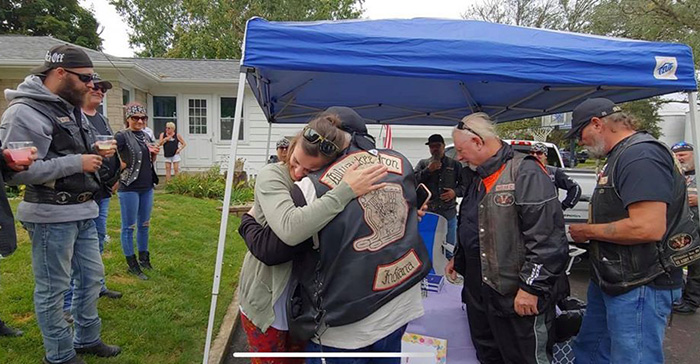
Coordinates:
334 174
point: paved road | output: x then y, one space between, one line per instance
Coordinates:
682 345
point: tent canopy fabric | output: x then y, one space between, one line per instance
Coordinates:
434 71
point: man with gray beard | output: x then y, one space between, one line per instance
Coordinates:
691 291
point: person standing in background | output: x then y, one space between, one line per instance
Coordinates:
172 144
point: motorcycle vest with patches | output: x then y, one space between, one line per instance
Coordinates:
71 135
366 256
620 268
498 216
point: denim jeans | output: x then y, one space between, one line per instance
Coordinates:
628 328
62 251
389 344
101 226
136 214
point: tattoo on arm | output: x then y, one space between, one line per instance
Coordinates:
610 229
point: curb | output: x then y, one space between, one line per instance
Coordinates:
222 343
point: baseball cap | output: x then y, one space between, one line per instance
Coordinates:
585 111
538 147
350 120
682 147
97 81
282 143
435 138
66 56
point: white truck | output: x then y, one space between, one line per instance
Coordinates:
586 178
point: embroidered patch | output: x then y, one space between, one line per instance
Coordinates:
603 180
385 211
334 174
504 199
391 275
679 241
506 187
63 119
683 259
62 197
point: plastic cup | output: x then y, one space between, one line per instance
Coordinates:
20 152
105 142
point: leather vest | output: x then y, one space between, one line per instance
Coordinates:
69 136
365 257
498 216
620 268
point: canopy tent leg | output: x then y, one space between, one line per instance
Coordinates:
694 119
269 135
225 213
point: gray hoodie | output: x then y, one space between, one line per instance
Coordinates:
22 123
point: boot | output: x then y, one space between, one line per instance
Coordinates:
8 331
145 260
74 360
100 349
111 294
134 267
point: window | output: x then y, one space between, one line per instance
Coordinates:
228 108
197 116
126 96
164 111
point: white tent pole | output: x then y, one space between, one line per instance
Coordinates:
225 213
694 119
269 135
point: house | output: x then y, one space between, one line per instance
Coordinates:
199 96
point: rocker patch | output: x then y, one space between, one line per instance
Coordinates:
386 212
392 274
334 174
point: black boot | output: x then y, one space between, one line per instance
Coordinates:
100 349
8 331
145 260
134 267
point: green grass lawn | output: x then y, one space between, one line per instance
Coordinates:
162 320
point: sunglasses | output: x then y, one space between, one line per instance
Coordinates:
325 146
83 77
537 153
139 118
462 126
99 88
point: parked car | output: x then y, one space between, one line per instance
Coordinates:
566 158
582 156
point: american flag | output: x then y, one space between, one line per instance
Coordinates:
387 137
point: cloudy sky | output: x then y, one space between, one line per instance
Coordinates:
116 41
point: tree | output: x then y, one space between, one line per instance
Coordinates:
213 29
62 19
549 14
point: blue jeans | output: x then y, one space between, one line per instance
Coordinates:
389 344
62 251
101 226
136 214
628 328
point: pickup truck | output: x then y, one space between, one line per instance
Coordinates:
586 178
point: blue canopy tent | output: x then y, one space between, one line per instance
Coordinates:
434 72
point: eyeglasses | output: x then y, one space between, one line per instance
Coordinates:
83 77
139 118
99 88
537 153
462 126
325 146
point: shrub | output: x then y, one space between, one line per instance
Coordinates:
210 184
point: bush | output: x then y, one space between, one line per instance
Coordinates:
210 184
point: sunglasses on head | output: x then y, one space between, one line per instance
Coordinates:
83 77
139 118
325 146
462 126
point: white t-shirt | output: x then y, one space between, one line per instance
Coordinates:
403 309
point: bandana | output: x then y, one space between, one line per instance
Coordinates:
135 109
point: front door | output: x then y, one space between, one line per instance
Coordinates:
198 110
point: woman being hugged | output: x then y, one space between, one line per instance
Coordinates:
138 154
172 144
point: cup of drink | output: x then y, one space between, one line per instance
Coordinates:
20 152
105 142
153 147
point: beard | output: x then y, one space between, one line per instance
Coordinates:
687 165
73 92
597 150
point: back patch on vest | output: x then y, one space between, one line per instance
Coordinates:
334 174
385 211
391 275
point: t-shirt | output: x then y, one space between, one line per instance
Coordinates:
144 181
644 172
99 124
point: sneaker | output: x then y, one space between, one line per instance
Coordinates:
74 360
68 317
100 349
684 309
8 331
111 294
